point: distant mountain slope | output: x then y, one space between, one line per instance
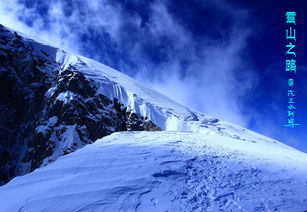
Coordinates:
165 172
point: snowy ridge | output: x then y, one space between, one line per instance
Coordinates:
164 112
165 171
161 110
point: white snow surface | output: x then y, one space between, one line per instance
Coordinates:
165 171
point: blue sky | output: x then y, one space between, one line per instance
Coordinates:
223 58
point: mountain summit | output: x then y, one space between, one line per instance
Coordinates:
54 103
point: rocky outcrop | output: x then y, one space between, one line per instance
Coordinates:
48 110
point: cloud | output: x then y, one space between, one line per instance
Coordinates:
196 57
26 20
216 78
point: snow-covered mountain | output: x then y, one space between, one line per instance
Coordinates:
54 102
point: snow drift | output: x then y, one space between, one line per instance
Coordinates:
165 171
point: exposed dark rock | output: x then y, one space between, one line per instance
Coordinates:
47 112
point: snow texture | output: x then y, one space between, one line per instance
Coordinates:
165 171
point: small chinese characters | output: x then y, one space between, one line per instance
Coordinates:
291 67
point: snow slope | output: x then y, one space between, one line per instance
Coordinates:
165 171
161 110
164 112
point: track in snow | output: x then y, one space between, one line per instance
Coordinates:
163 171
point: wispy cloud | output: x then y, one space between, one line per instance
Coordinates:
153 44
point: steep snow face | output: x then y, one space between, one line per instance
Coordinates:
164 112
165 171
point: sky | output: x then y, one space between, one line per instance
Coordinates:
223 58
